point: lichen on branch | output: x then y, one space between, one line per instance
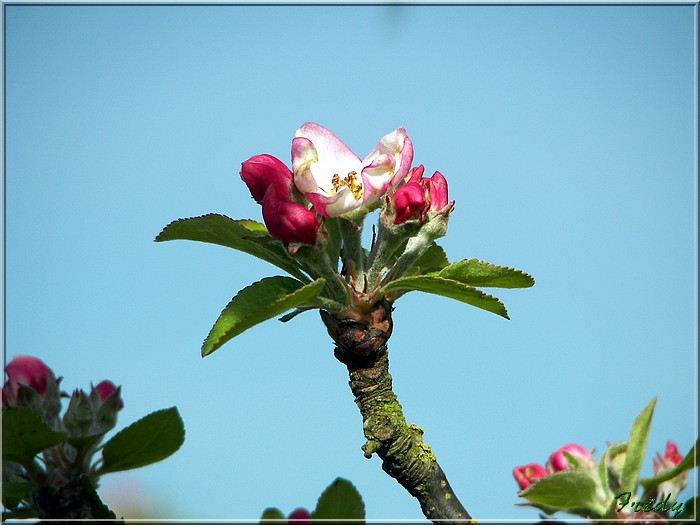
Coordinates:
360 339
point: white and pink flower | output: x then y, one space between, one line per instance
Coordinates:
335 180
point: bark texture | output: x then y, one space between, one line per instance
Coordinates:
360 340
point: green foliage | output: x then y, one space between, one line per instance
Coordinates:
244 235
479 273
272 515
258 302
24 435
438 285
340 500
148 440
636 447
433 259
572 490
14 493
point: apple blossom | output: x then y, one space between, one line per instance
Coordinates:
299 516
107 389
335 180
262 171
436 187
409 202
28 371
558 461
526 475
289 222
670 459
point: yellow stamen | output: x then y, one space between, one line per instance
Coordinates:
350 181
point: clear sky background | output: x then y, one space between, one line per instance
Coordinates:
566 134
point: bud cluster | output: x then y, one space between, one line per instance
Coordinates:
604 479
328 192
31 385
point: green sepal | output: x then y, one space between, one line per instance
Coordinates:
148 440
244 235
606 469
636 447
482 274
571 490
24 435
340 501
438 285
688 463
258 302
272 515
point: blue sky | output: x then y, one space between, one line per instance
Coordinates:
567 136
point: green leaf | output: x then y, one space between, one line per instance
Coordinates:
571 490
482 274
688 463
439 285
258 302
91 505
689 509
24 435
152 438
433 259
636 447
272 514
14 493
340 501
244 235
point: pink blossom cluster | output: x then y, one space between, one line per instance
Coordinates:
526 475
33 373
328 180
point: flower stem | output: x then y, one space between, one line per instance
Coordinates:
361 346
352 253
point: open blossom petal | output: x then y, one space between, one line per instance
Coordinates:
398 146
335 180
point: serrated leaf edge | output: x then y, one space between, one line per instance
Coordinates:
384 290
318 282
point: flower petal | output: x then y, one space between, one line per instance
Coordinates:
328 146
343 201
398 145
304 154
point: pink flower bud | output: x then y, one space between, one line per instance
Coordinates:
664 463
107 389
409 202
558 462
300 516
436 187
262 171
28 371
670 459
415 174
528 474
289 222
